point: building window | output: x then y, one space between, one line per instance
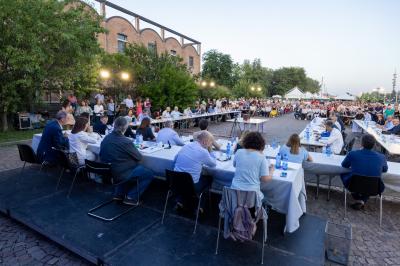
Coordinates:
152 46
172 52
122 40
191 61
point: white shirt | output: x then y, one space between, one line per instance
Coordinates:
128 103
166 114
335 140
78 143
99 109
338 125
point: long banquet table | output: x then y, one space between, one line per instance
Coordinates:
285 194
389 143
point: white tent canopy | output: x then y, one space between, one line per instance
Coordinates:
277 96
345 97
295 93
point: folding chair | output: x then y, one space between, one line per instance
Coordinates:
226 207
63 160
27 155
104 170
366 185
181 183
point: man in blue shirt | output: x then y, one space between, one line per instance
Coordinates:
364 162
168 134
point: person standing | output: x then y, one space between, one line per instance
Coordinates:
139 105
129 102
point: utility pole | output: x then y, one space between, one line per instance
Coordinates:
394 85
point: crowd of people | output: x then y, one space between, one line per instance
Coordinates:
113 125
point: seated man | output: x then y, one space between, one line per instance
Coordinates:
193 156
101 125
203 125
169 135
335 139
395 129
124 157
364 162
53 137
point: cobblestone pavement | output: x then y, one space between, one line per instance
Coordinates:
371 245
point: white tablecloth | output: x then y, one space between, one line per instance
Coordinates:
285 194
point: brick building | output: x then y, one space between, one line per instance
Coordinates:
120 31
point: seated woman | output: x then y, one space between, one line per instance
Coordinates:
294 152
130 117
145 130
79 140
252 167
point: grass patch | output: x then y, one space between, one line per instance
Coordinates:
16 135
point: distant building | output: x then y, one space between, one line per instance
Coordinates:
122 31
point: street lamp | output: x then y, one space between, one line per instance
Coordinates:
252 88
259 89
105 74
203 83
124 76
212 84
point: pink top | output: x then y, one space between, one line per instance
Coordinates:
138 108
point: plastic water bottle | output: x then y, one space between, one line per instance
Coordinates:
228 150
308 135
137 140
278 161
285 162
140 139
328 150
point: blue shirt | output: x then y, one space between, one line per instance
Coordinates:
365 163
250 166
168 134
191 158
294 158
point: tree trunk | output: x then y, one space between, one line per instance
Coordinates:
4 122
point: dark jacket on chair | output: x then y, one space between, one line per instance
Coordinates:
121 153
52 137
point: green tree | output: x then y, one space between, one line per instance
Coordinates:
256 75
218 67
43 44
286 78
163 78
214 93
312 85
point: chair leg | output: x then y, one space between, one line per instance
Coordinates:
317 192
59 179
138 190
263 243
345 202
329 188
197 214
165 206
219 229
380 211
22 169
73 181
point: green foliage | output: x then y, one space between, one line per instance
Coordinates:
245 88
45 45
215 93
163 78
219 68
372 97
286 78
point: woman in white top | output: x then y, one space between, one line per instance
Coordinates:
99 108
79 140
